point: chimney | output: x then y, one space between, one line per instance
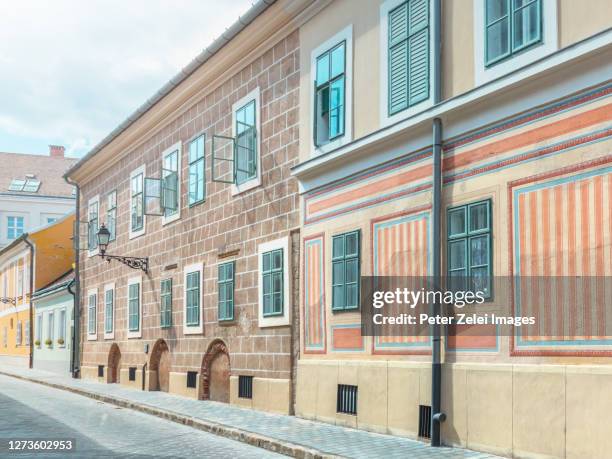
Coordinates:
56 151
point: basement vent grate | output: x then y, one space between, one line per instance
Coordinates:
100 371
192 377
132 375
245 386
424 421
347 399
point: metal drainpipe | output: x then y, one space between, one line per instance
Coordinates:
77 283
31 337
73 337
436 365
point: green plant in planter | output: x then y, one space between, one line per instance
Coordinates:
60 341
37 342
48 342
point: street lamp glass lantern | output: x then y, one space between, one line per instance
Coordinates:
103 238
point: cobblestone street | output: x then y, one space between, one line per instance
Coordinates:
101 430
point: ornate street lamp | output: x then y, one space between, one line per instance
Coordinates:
103 237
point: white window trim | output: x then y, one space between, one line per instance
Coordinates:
51 328
138 333
191 330
108 287
59 315
385 119
285 318
134 234
16 215
549 44
176 147
94 200
256 181
345 34
92 336
38 335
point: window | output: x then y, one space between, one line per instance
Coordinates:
18 334
31 185
134 307
39 328
109 309
111 214
91 314
27 333
226 291
61 327
17 185
510 27
197 179
19 282
166 303
14 227
170 184
245 386
51 220
50 326
345 271
272 275
246 143
92 223
330 94
346 401
192 378
469 246
192 293
137 202
408 37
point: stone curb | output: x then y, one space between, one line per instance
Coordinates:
244 436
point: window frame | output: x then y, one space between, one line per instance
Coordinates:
61 327
343 259
134 333
190 164
285 317
254 182
271 272
467 235
162 309
111 214
39 326
176 148
93 201
224 283
109 334
387 119
345 35
51 327
134 233
92 335
199 328
15 227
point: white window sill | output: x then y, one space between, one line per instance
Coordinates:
134 334
171 219
92 337
387 120
336 143
109 335
135 234
193 330
246 186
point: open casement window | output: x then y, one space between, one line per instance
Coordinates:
234 159
197 182
111 214
93 225
80 235
408 52
137 204
161 194
510 27
329 94
246 144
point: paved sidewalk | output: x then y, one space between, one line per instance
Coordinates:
285 434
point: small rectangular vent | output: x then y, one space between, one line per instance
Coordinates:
347 399
245 386
192 379
132 375
100 371
424 421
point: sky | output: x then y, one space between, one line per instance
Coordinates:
72 70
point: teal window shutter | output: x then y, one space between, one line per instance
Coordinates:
408 66
166 303
193 299
273 283
469 254
510 27
197 182
134 307
226 291
109 298
346 254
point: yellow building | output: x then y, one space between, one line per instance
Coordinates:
30 262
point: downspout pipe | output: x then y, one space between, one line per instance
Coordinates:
437 416
73 340
31 290
76 314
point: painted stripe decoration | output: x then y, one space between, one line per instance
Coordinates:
401 249
564 228
314 296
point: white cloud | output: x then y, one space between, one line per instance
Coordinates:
71 71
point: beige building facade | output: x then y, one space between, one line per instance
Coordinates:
526 191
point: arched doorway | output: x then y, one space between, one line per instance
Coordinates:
113 372
216 373
160 367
